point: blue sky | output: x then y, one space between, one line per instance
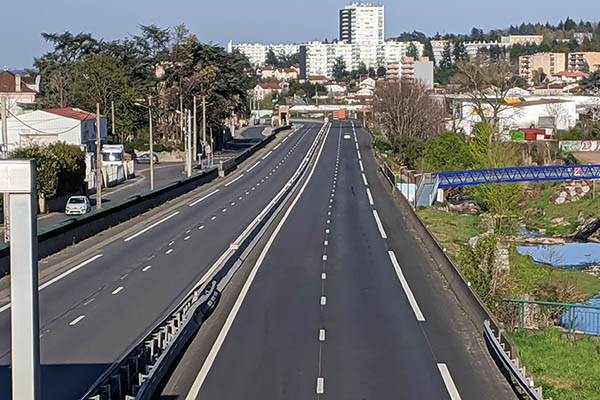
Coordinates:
264 21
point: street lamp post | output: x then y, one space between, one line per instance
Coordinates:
18 179
151 143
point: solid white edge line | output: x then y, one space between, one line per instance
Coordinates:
212 355
151 226
4 308
252 167
370 197
407 291
450 387
203 198
379 225
235 180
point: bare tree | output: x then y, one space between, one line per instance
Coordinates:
559 113
485 86
405 109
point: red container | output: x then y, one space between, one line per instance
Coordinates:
530 136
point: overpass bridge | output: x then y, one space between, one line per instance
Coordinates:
429 184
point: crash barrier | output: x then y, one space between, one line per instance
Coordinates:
225 167
469 301
510 367
77 229
539 315
138 374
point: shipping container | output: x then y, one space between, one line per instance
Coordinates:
517 135
341 114
529 136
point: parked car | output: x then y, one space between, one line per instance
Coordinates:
78 205
145 159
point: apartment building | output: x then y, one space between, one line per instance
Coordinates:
511 40
549 63
257 52
579 61
362 24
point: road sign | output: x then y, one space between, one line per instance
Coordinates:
578 171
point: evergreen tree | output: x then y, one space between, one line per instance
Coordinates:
428 51
412 51
447 62
460 51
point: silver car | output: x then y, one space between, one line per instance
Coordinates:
78 205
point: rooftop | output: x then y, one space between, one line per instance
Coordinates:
8 84
72 113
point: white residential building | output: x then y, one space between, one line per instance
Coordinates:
16 92
42 127
362 24
257 52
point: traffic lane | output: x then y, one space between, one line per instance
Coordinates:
119 259
451 334
130 289
374 346
271 350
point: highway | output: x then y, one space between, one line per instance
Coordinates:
99 297
340 302
164 173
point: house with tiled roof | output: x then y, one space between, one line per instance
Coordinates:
43 127
15 91
263 89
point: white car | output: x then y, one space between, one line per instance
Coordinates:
347 136
78 205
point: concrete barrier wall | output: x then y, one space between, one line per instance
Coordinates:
60 236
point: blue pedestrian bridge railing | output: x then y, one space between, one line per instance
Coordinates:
516 174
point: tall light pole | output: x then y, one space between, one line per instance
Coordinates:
18 179
98 159
151 143
112 114
6 206
195 140
189 143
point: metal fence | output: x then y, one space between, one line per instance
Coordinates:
539 315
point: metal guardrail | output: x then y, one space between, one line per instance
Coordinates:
527 314
511 366
137 374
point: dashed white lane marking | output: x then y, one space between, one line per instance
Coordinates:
89 301
233 203
151 226
203 198
276 147
327 231
324 257
224 210
450 387
321 335
235 180
188 231
407 291
323 275
171 243
379 225
187 238
252 167
358 154
117 290
326 243
169 251
76 320
284 140
201 227
267 155
146 268
213 218
323 300
365 179
361 166
370 197
320 385
5 307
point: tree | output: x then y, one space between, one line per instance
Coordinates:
339 69
381 71
428 51
591 84
408 115
485 85
460 51
271 59
447 62
448 152
412 51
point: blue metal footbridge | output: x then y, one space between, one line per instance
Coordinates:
427 188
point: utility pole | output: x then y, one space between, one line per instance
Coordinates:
204 124
189 143
151 143
195 139
112 116
98 159
5 202
181 121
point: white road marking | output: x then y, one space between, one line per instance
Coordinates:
407 291
452 391
89 301
358 154
61 276
171 243
284 140
328 221
323 300
146 268
187 238
370 197
5 307
224 210
326 243
213 218
379 225
203 198
76 320
361 166
151 226
323 275
235 180
365 179
252 167
201 227
321 335
267 155
276 147
212 355
117 290
324 257
233 203
169 251
320 385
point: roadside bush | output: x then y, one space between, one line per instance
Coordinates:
448 152
408 150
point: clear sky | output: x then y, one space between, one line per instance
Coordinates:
266 21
